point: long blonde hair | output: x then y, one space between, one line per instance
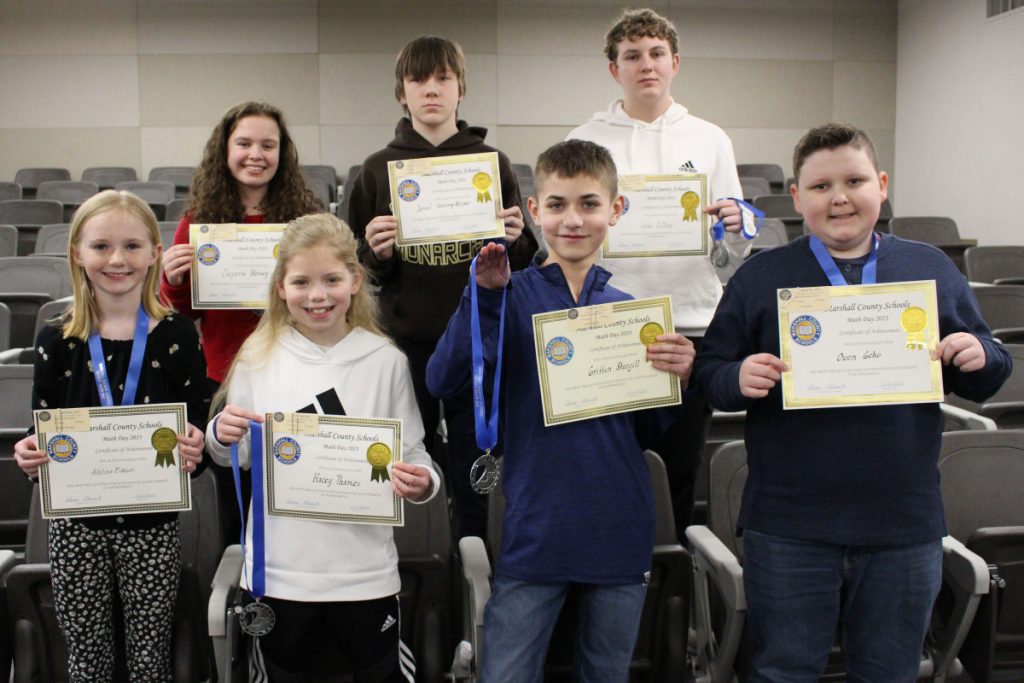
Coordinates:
83 315
304 233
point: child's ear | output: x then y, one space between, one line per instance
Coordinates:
357 282
280 291
618 206
796 198
532 207
883 181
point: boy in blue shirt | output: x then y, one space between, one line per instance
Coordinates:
580 509
842 518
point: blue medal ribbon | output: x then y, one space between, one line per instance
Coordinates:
486 425
868 276
99 363
718 229
259 563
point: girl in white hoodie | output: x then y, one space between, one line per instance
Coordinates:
332 586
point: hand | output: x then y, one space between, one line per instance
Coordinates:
962 350
233 423
759 373
673 353
380 236
513 223
177 262
410 481
729 210
28 456
190 448
492 269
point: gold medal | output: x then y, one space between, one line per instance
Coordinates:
164 440
379 456
649 333
690 201
914 320
482 183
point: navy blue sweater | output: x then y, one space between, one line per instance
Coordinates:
861 476
579 505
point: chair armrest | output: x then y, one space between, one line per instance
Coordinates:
969 420
965 570
709 552
967 575
997 410
1009 281
476 591
225 584
714 563
1009 335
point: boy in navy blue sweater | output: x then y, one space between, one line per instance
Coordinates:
579 504
842 516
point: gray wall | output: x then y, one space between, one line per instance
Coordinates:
142 82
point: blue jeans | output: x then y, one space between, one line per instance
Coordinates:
520 617
798 592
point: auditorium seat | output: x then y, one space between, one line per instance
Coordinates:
70 193
30 178
1002 306
9 190
26 283
321 190
15 419
1006 407
353 171
772 234
176 209
524 176
156 193
660 652
5 327
995 265
770 172
754 186
326 174
167 230
8 241
181 176
106 177
720 601
52 240
939 231
28 215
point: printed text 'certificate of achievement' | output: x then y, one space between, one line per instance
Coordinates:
446 199
663 215
859 345
233 263
112 461
332 468
592 361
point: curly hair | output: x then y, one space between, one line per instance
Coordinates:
214 198
640 23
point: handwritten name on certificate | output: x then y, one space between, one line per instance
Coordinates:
332 468
446 199
112 461
663 215
592 361
859 345
233 263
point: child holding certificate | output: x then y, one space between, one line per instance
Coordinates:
842 515
580 510
420 285
318 349
249 174
114 255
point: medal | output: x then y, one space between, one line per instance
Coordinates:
719 255
256 619
485 473
751 218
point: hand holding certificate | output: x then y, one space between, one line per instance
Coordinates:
859 345
446 199
112 461
663 216
591 361
232 264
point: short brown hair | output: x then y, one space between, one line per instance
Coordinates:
640 23
830 136
573 158
423 57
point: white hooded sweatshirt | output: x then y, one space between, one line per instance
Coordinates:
314 561
675 142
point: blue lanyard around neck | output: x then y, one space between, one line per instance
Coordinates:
259 564
869 275
486 425
99 363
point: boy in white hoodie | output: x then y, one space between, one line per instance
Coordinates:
647 132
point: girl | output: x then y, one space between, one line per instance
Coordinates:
333 587
114 256
249 174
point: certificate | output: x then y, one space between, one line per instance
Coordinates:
112 461
859 345
233 263
446 199
592 361
332 468
663 215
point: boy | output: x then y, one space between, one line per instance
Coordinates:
420 285
579 504
842 515
648 132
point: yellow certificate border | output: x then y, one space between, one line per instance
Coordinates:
45 487
606 251
660 303
194 230
395 519
401 168
829 294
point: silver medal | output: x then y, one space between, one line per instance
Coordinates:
256 619
719 255
485 473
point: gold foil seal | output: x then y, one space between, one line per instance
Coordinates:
690 201
650 332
